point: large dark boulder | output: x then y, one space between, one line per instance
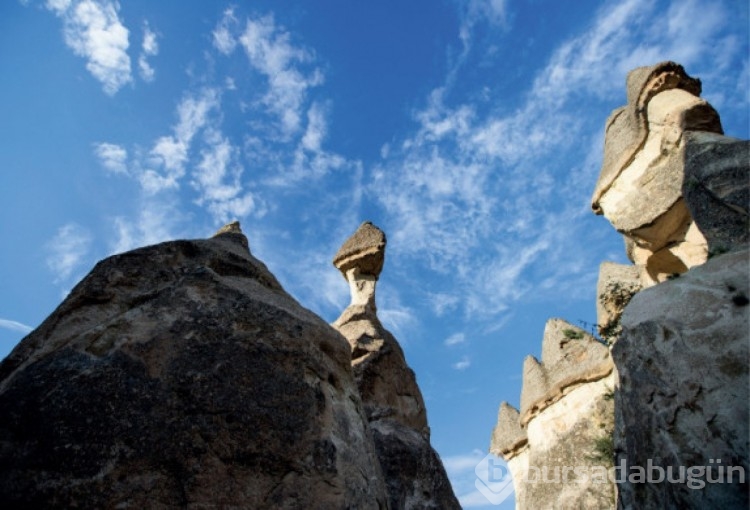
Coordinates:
182 375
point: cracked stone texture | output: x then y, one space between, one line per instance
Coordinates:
182 375
717 188
682 395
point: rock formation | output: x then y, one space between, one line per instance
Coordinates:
716 189
617 285
681 398
182 375
565 421
414 475
679 192
640 187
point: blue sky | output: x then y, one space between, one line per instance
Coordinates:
470 131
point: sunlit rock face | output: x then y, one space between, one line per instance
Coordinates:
679 191
182 375
565 422
393 403
640 187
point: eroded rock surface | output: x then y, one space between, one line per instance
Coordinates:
182 375
717 189
640 187
565 421
682 397
393 403
617 285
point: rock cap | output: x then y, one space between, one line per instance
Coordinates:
234 232
364 250
626 127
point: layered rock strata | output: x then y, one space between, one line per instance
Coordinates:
414 474
182 375
565 422
640 186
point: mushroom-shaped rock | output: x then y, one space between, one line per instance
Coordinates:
360 259
364 250
414 475
640 187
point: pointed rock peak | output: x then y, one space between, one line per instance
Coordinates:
233 231
508 437
364 251
229 228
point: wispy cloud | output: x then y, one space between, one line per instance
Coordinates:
156 221
112 157
455 339
490 196
288 68
94 31
67 250
166 162
149 48
223 35
462 364
217 178
15 326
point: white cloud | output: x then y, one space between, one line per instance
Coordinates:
165 165
462 364
67 250
112 157
149 48
491 196
94 31
156 222
270 52
223 39
15 326
217 178
455 339
316 128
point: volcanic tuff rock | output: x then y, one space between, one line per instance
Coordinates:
640 187
682 398
681 395
182 375
717 188
617 285
566 411
414 474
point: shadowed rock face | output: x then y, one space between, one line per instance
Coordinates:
683 396
393 403
717 189
182 375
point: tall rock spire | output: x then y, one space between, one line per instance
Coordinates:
414 474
